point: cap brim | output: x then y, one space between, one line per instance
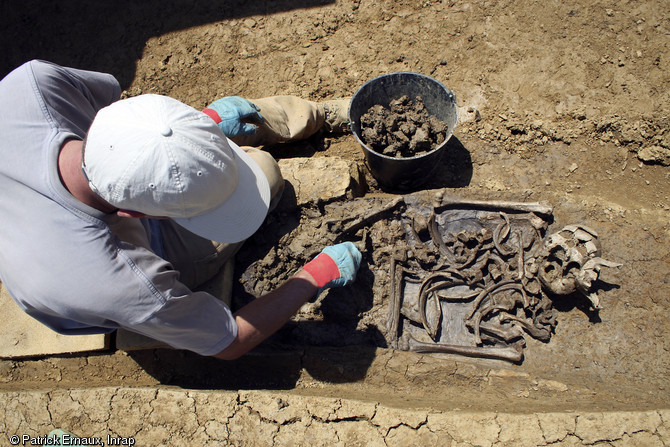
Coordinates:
245 210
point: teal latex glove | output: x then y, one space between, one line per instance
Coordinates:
237 116
335 266
62 437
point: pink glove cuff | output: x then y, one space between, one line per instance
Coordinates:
323 269
213 115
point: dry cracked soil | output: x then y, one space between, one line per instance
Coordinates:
565 102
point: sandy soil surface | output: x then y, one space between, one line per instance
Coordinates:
564 102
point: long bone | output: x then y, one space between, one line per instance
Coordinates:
355 225
523 207
396 273
394 317
510 353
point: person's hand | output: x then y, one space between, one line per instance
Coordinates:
335 266
236 116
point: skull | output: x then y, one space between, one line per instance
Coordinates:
570 261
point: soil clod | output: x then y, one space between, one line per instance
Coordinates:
404 129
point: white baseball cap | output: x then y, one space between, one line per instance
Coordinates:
160 157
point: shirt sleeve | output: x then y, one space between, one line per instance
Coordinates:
197 322
72 96
149 298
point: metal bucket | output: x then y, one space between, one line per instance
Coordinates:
412 172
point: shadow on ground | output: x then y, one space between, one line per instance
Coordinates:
267 367
109 35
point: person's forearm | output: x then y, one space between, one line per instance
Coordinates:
265 315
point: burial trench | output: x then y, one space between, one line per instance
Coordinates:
528 345
473 278
466 277
448 280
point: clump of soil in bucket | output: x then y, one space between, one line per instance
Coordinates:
405 129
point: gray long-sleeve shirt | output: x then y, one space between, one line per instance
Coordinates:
62 261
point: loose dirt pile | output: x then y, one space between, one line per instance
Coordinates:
405 129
